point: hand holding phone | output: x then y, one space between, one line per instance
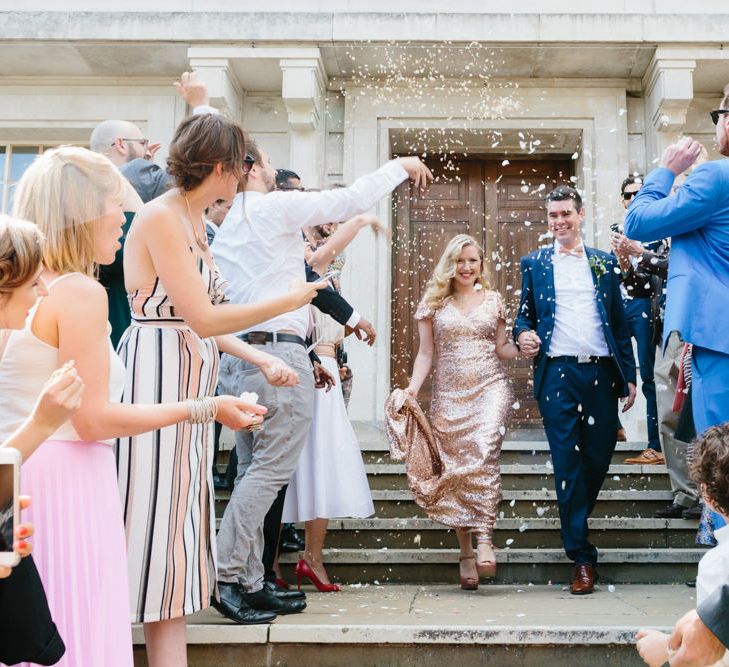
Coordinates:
10 526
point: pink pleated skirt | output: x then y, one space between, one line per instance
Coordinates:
79 549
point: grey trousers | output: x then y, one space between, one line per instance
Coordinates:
675 451
266 459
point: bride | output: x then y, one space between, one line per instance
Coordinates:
462 328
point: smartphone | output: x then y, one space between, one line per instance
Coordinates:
10 461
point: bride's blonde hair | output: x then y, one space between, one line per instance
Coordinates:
440 285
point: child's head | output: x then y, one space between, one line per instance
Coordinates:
710 467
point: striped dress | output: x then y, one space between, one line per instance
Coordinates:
165 476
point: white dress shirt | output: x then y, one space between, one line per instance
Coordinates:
259 247
577 325
713 566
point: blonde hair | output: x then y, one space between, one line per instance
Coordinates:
440 284
21 253
63 191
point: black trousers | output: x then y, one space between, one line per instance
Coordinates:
272 534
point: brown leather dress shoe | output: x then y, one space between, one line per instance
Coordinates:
648 457
583 581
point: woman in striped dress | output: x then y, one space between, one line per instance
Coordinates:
179 320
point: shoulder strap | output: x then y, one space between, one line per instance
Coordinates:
61 277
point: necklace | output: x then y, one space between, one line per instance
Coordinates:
203 245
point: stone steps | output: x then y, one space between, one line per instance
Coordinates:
516 566
400 544
409 625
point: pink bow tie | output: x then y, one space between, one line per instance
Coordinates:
578 251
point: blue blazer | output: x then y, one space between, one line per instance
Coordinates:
697 219
537 307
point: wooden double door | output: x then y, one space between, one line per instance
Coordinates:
500 203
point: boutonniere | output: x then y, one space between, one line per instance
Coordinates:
598 266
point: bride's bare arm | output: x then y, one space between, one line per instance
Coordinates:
158 231
505 349
424 359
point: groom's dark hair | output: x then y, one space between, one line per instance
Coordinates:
563 193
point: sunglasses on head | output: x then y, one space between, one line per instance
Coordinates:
716 113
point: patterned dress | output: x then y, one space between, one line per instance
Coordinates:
470 410
165 476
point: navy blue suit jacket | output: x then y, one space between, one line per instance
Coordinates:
537 307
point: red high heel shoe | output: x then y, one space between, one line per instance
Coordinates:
304 570
282 583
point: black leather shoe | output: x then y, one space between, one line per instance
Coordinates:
265 600
282 593
291 541
220 483
233 606
674 511
692 513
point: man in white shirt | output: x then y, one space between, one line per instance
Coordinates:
571 311
260 251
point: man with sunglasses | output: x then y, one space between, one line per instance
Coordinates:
696 217
641 289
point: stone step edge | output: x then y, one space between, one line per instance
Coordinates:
535 495
507 555
539 494
515 523
528 469
304 633
522 524
372 445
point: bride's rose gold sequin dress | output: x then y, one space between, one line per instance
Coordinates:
470 410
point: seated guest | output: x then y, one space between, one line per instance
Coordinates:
710 471
571 312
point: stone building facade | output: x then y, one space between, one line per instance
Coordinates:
502 104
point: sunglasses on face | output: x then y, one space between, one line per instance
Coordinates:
248 162
629 195
716 113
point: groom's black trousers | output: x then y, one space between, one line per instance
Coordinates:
579 404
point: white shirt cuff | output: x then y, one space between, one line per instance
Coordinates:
354 319
203 108
395 170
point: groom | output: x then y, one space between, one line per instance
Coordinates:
571 312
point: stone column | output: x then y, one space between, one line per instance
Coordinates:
303 88
224 89
669 90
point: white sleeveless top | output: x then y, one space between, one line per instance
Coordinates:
25 366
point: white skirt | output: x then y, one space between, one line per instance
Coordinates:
330 480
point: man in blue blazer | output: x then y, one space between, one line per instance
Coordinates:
571 312
697 293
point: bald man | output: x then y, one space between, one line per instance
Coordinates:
127 147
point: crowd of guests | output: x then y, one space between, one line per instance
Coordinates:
124 343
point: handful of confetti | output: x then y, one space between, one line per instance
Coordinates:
251 397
